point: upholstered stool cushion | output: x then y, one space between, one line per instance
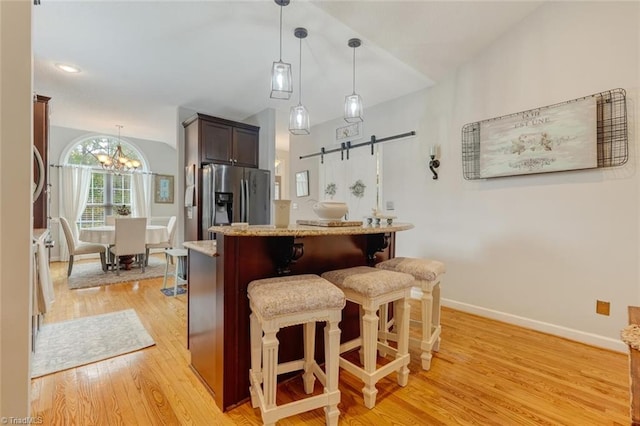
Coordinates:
274 297
370 282
421 269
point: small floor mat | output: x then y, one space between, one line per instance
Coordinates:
182 289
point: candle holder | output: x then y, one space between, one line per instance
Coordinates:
433 165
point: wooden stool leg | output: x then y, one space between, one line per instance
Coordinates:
166 270
369 347
270 368
361 350
403 310
436 315
256 351
427 317
175 285
383 331
308 378
331 355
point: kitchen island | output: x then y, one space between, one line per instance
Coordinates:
218 307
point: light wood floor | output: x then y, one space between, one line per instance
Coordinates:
486 373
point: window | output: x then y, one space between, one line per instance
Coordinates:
106 190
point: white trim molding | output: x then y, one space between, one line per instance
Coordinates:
544 327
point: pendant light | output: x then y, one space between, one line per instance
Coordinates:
281 81
353 102
299 117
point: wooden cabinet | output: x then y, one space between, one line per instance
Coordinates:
41 143
223 141
245 147
209 140
204 313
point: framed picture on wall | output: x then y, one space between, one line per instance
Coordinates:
302 183
163 189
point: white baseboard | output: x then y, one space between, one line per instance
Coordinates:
556 330
544 327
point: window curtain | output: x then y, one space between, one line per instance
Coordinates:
74 191
141 194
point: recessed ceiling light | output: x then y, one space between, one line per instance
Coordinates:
68 68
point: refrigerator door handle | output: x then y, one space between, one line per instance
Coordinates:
206 202
247 198
243 202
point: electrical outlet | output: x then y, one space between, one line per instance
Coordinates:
603 308
294 206
390 205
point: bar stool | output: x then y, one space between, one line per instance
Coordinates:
176 256
371 288
427 273
282 302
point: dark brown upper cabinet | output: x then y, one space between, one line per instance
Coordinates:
223 141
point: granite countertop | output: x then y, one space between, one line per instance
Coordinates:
307 230
207 247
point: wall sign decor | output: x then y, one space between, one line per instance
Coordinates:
350 132
163 189
583 133
540 141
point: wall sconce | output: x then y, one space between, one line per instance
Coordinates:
433 164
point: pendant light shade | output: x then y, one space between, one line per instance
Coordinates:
281 81
299 116
353 102
299 120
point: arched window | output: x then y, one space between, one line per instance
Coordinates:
108 189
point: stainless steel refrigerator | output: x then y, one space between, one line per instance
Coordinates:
234 194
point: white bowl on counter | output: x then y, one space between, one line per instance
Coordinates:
332 210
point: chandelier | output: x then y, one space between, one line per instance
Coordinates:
117 162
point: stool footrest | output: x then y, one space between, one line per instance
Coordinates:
272 415
288 367
414 341
381 372
350 345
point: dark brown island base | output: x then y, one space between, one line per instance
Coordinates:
218 307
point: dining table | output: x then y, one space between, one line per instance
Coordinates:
106 234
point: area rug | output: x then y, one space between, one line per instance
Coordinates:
182 289
70 344
85 275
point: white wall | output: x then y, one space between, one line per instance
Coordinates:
181 115
266 120
534 250
16 208
161 158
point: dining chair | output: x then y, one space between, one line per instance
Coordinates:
77 247
130 240
171 228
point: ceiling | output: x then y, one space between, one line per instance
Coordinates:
141 60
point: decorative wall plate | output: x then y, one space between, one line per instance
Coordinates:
350 132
